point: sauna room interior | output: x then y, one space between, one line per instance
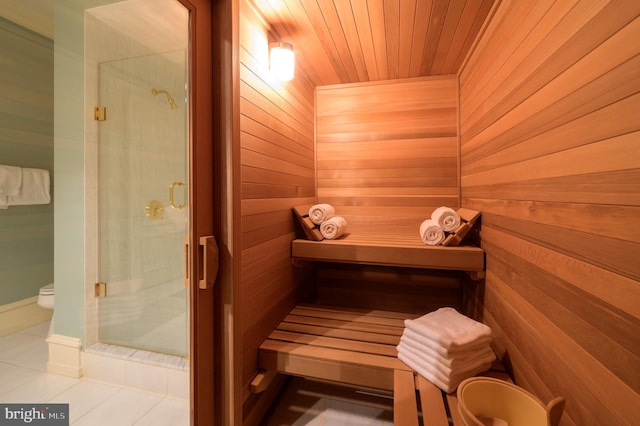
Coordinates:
524 111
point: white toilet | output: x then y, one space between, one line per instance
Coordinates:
45 300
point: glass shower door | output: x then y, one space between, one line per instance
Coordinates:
142 199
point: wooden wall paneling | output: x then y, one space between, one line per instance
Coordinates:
392 289
549 154
508 18
276 172
540 67
388 147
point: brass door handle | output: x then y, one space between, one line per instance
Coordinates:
171 197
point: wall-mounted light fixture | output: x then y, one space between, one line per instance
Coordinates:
282 60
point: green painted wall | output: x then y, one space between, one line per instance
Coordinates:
26 140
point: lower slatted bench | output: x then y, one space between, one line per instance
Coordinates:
356 347
414 397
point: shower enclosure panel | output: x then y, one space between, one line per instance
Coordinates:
142 197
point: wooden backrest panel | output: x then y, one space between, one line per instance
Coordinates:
550 153
387 152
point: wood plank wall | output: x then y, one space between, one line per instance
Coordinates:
550 153
277 173
387 152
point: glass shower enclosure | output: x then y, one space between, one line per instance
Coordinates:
142 201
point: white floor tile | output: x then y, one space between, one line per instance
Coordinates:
125 407
14 377
169 412
84 397
41 389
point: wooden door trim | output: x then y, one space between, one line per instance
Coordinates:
201 213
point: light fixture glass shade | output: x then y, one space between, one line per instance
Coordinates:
282 60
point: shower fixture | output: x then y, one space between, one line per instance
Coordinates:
156 92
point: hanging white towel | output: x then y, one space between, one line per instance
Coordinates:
451 329
318 213
431 233
447 218
333 227
35 188
10 180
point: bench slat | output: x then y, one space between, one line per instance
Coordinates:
361 336
330 342
344 325
405 407
363 317
433 409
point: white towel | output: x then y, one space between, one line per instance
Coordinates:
429 345
431 373
333 227
431 233
318 213
10 180
34 190
456 360
481 359
449 328
447 218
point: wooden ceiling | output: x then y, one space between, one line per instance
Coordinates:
347 41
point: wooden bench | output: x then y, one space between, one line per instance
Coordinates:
400 246
356 347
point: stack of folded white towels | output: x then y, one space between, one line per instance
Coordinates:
433 230
446 347
331 226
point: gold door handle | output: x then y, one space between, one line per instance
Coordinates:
171 198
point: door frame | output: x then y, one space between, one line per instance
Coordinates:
202 342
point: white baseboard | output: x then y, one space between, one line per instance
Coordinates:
65 357
22 314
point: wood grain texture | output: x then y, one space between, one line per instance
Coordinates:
338 344
276 162
353 41
391 144
550 151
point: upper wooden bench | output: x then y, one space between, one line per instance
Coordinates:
387 247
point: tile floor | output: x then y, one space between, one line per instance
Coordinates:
23 379
314 403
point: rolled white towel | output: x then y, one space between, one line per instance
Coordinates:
333 227
431 233
447 218
318 213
